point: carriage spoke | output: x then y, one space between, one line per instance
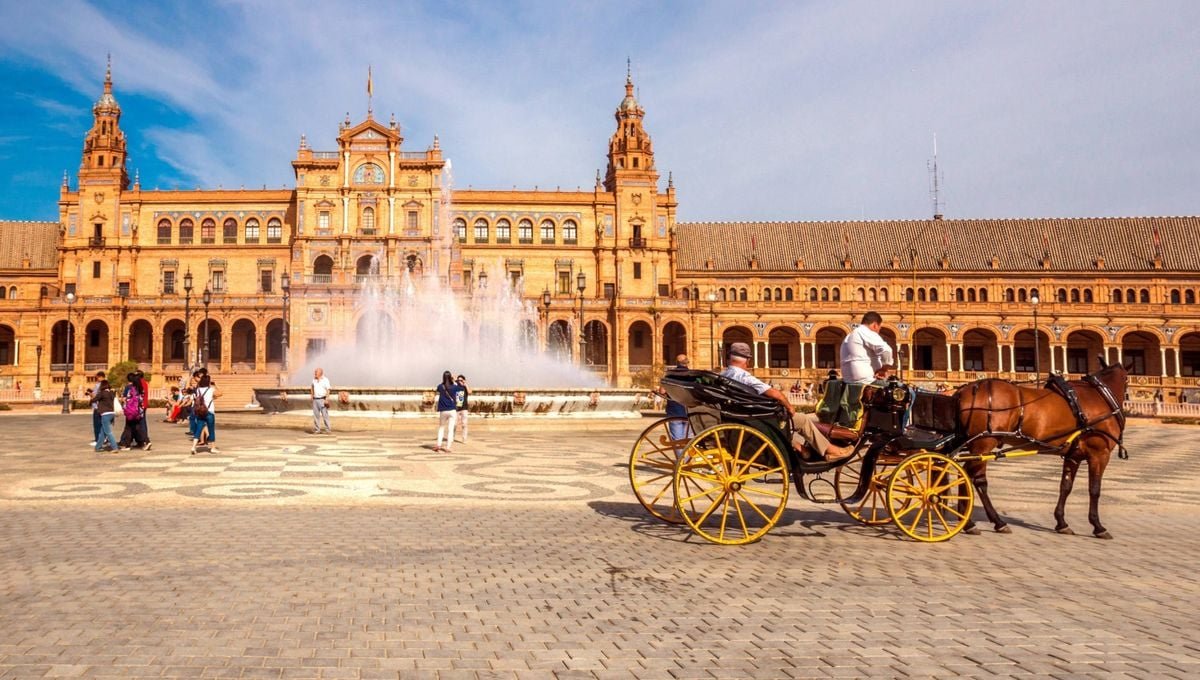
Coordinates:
941 517
957 513
702 494
760 475
917 520
741 517
762 492
905 511
755 507
705 515
724 517
753 458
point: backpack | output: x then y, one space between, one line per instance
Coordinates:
199 408
133 406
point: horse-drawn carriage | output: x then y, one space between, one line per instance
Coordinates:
726 469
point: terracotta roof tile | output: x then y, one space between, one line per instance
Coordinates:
1125 244
37 241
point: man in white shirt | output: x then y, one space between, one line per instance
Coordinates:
319 390
803 424
866 356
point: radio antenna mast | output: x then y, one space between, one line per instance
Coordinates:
935 181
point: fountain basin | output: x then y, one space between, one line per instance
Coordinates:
412 402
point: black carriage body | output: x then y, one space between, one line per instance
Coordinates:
717 399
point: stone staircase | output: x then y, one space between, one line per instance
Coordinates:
237 389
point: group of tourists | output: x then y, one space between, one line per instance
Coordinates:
452 397
194 403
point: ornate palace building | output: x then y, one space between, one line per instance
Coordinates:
123 273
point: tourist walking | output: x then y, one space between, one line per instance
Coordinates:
91 393
447 400
134 409
461 408
204 409
319 391
104 402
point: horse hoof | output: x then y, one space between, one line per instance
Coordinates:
1105 535
1065 531
972 530
1004 529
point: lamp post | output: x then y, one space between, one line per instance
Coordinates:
187 321
37 384
546 314
1037 361
66 395
207 299
285 283
712 330
581 285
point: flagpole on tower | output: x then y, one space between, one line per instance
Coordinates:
370 92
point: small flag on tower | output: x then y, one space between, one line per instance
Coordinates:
370 88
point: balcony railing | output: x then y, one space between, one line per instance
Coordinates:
96 242
637 242
320 278
326 155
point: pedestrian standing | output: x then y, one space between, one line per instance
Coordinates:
680 430
134 409
104 402
205 411
461 408
95 413
319 391
447 398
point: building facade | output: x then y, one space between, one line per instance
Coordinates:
255 282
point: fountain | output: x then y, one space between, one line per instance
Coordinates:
412 327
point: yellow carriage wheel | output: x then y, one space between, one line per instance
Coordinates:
930 497
731 485
652 467
872 509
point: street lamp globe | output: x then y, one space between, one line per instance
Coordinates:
70 298
285 282
712 296
187 282
546 298
207 297
581 282
1034 299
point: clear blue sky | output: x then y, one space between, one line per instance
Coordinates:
763 110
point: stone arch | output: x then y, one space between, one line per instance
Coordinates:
829 342
1024 354
214 349
323 269
366 266
174 335
1140 351
783 347
734 334
275 341
981 350
95 344
1189 354
141 342
62 343
929 349
243 345
8 345
374 330
558 339
674 342
641 344
595 347
1084 347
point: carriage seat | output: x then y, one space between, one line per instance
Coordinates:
839 434
840 413
917 438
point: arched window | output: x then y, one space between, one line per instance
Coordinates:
368 220
812 294
983 295
12 292
883 295
460 228
1009 295
920 295
1116 295
274 230
368 173
871 294
1130 295
742 295
1074 295
721 295
525 231
164 231
779 295
1145 296
787 294
229 231
766 294
1189 297
503 231
861 294
570 232
1175 296
1061 296
824 295
836 294
959 295
1022 296
252 233
933 295
187 231
3 293
687 293
908 294
1087 295
547 231
481 230
208 231
970 295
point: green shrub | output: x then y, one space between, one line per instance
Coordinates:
649 377
116 374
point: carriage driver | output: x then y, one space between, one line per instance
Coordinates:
866 356
803 424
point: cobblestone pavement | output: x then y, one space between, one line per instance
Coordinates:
524 554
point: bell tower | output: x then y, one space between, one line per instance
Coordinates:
630 151
104 146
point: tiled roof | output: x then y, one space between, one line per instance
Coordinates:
37 241
1074 244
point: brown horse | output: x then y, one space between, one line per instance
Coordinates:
996 413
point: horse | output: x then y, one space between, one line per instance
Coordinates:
993 413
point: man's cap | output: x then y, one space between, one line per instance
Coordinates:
741 349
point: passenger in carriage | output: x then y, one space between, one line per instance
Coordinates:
803 424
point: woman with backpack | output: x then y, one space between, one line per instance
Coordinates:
204 410
134 409
447 406
105 400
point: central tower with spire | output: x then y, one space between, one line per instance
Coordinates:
104 146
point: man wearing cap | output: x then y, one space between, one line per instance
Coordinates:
803 424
